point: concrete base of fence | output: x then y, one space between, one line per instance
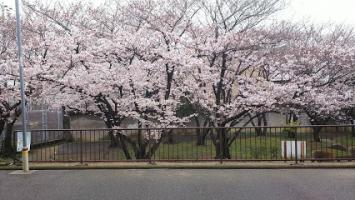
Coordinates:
182 165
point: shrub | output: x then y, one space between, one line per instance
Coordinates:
352 151
290 129
257 153
275 152
339 147
322 154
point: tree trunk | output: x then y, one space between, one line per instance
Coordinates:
265 124
353 128
141 150
225 154
171 139
221 145
292 117
153 148
258 130
201 132
140 146
262 121
113 139
2 126
66 126
8 149
124 147
198 132
316 134
201 137
291 134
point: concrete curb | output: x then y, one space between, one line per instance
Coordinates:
181 166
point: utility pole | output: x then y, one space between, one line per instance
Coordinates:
25 165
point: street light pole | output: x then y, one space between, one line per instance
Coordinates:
25 165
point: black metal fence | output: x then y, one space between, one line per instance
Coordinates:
301 143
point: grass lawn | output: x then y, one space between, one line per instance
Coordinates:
246 146
267 148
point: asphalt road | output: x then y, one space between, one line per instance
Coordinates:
288 184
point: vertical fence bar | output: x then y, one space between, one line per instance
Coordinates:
256 147
149 149
267 144
81 147
246 132
84 145
162 150
342 143
45 147
168 145
346 139
233 132
240 143
220 146
250 144
352 138
54 146
296 147
94 145
41 145
90 141
66 146
196 143
77 146
211 144
271 150
311 146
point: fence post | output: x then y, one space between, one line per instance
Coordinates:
149 148
221 150
81 147
296 148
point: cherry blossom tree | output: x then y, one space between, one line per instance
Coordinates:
315 63
231 50
131 73
9 98
147 60
9 81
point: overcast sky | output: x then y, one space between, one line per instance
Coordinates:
319 11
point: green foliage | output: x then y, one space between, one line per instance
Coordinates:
258 153
185 109
275 152
290 129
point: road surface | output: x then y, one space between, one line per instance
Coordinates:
166 184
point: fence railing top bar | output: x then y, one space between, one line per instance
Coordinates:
190 128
